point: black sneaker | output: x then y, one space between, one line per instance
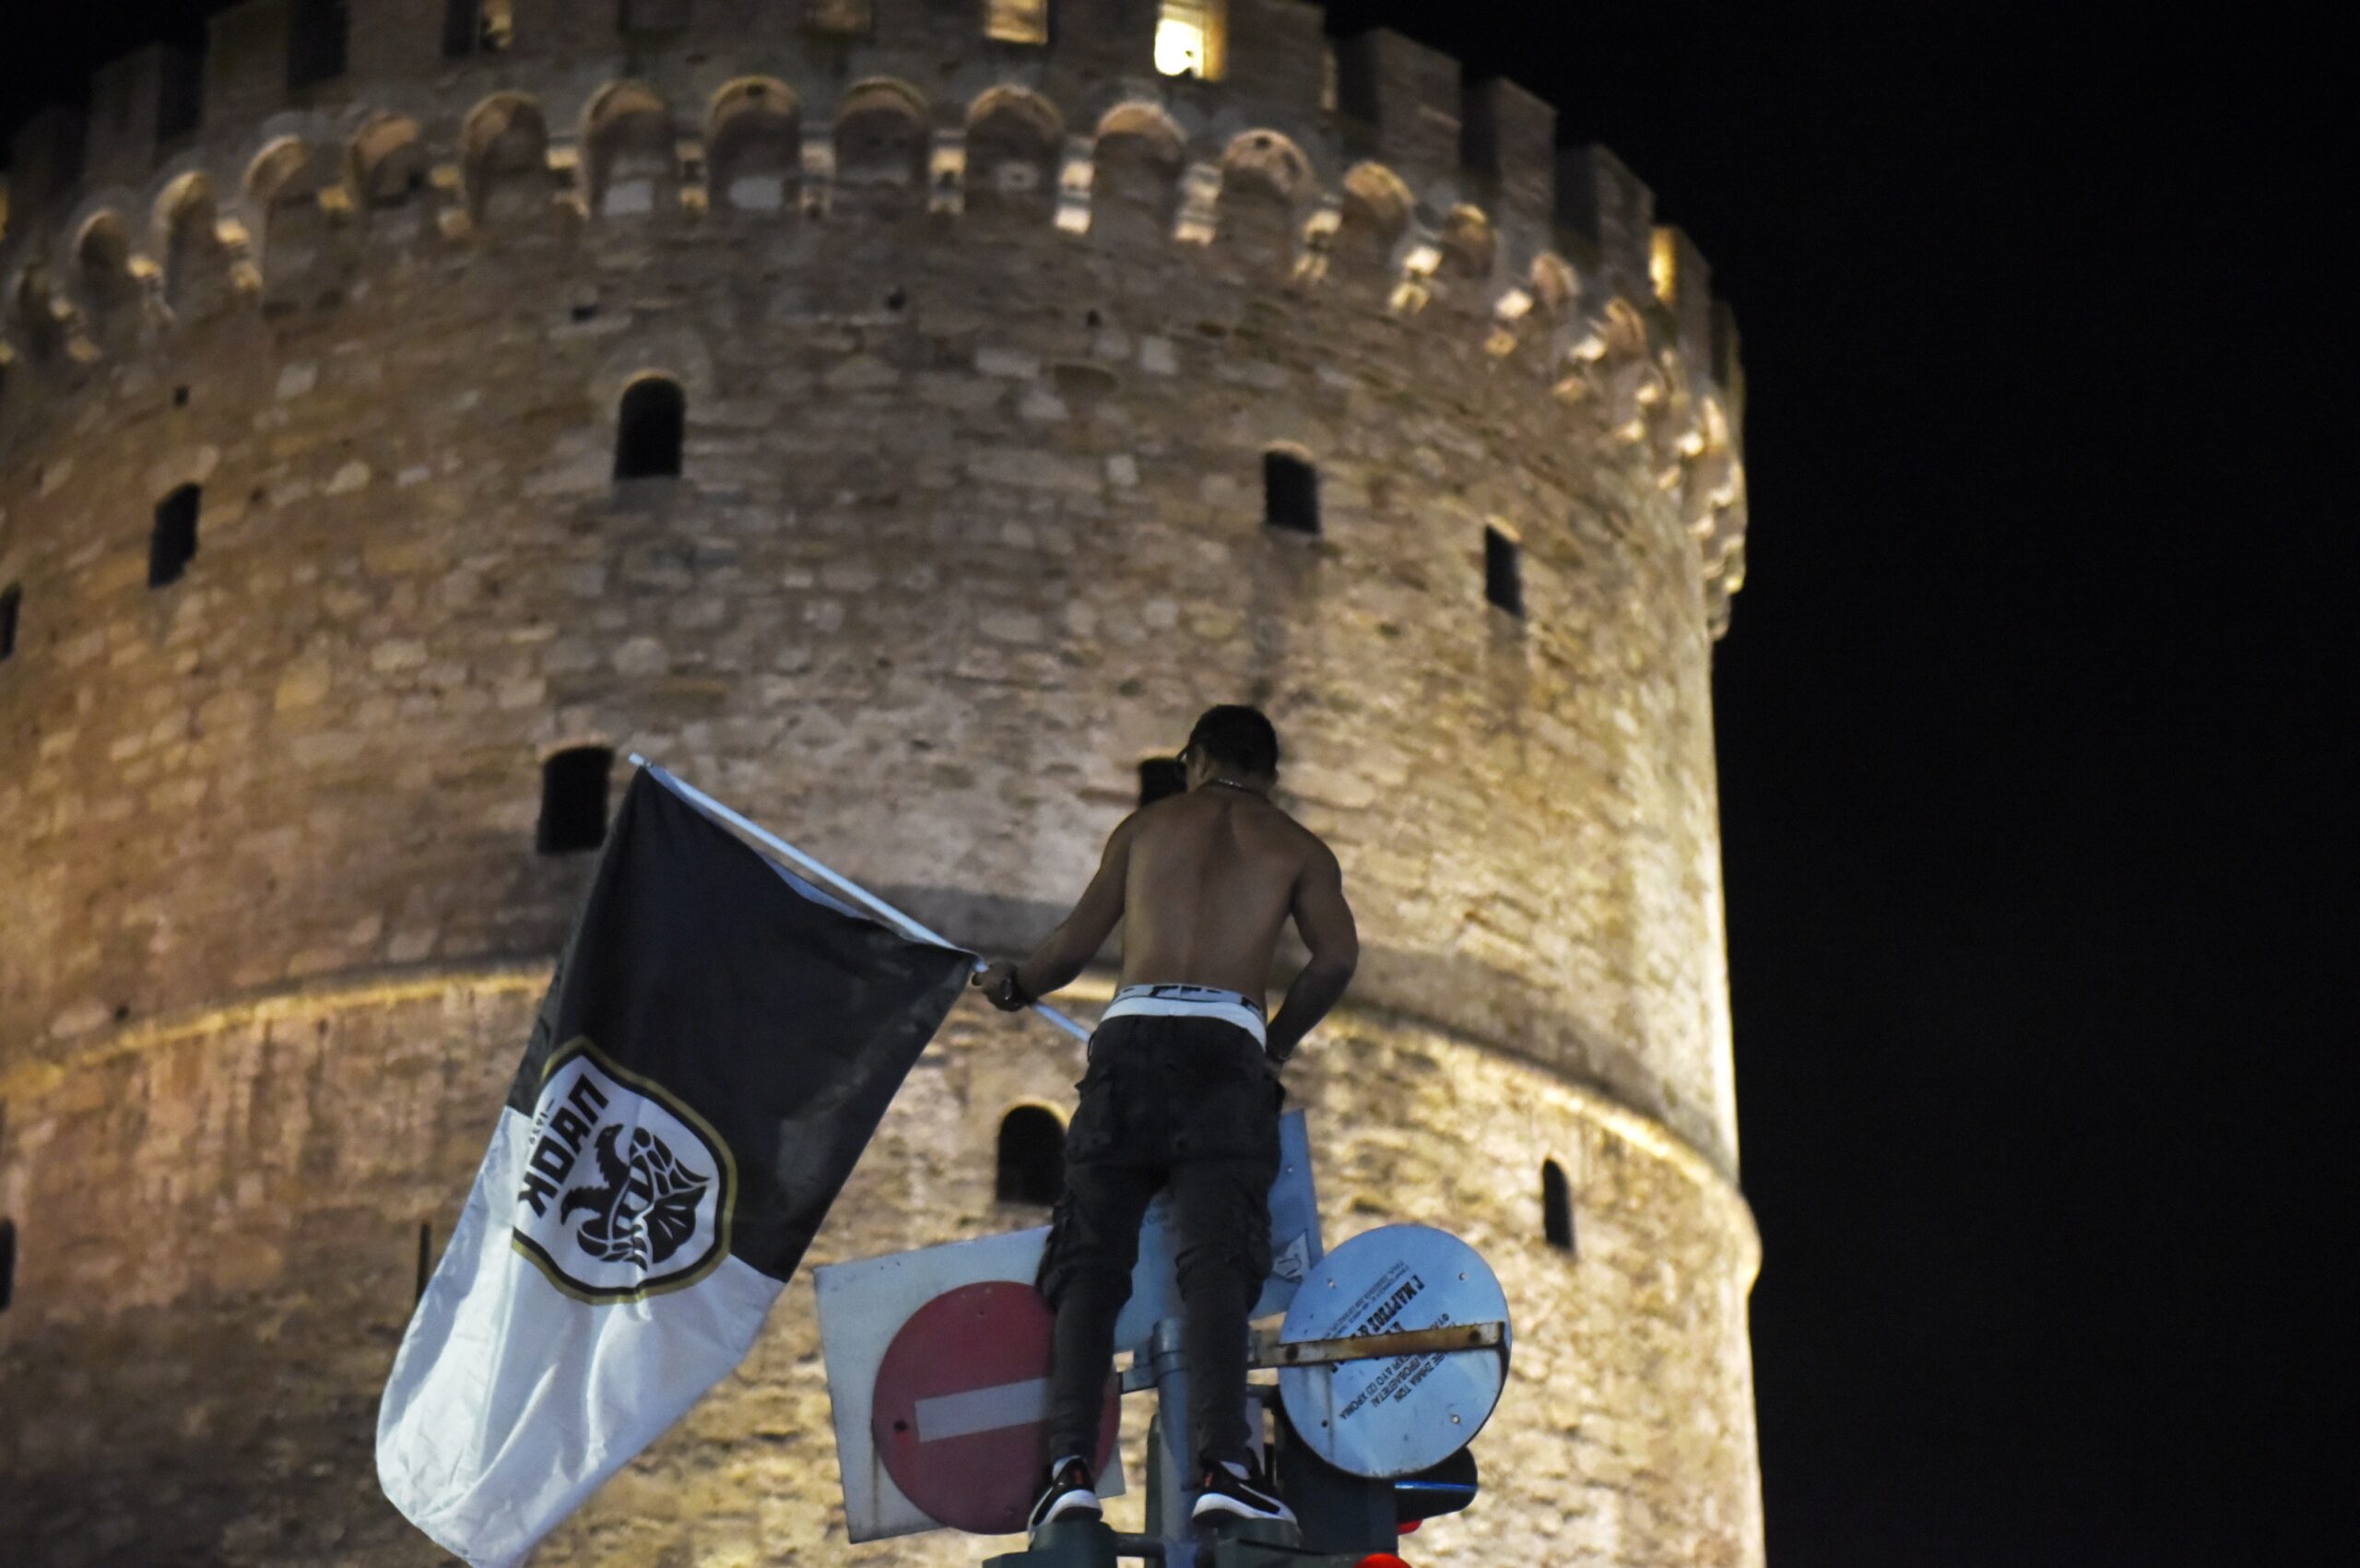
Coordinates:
1068 1496
1232 1489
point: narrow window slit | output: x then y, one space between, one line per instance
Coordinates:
1289 493
1502 572
1031 1156
172 544
1556 1206
649 429
573 800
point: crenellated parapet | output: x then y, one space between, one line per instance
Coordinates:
310 137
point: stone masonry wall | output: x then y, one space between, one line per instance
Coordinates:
966 530
219 1220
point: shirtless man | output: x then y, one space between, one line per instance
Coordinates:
1182 1090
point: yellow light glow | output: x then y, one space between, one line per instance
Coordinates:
1017 21
1179 48
1188 39
1663 265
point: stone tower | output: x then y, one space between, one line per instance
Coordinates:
900 417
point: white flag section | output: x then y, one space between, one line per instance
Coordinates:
512 1401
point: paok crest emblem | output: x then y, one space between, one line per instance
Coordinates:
648 1205
623 1191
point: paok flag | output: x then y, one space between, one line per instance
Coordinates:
717 1047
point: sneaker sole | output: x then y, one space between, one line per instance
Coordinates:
1071 1508
1214 1504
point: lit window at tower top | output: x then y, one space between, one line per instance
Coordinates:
1188 40
1663 265
1017 21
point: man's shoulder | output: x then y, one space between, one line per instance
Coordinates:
1308 844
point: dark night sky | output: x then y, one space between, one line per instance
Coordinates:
2028 729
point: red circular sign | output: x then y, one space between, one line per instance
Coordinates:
960 1416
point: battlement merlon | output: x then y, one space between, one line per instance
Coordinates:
1470 156
1400 102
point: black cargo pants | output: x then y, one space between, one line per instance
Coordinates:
1183 1102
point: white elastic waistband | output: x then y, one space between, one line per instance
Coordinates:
1190 1001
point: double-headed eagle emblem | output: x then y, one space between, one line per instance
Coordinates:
648 1205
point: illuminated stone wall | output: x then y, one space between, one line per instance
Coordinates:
982 346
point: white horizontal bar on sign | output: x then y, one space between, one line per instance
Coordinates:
984 1409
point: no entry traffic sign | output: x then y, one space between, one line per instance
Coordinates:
961 1405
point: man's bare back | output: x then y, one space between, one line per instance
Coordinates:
1205 883
1210 879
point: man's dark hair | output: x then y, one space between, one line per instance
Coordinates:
1239 736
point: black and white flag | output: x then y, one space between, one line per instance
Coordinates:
717 1047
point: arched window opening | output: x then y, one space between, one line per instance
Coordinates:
1290 492
477 26
1556 1206
1502 572
1031 1156
653 419
173 542
573 800
425 1260
1192 38
1017 21
315 42
12 598
1161 776
8 1262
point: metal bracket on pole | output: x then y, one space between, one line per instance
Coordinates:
1265 1351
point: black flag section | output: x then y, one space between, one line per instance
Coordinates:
717 1047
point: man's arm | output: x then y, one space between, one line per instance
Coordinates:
1326 922
1077 939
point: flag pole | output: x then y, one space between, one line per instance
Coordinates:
843 885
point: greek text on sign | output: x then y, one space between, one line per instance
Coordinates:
1393 1416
